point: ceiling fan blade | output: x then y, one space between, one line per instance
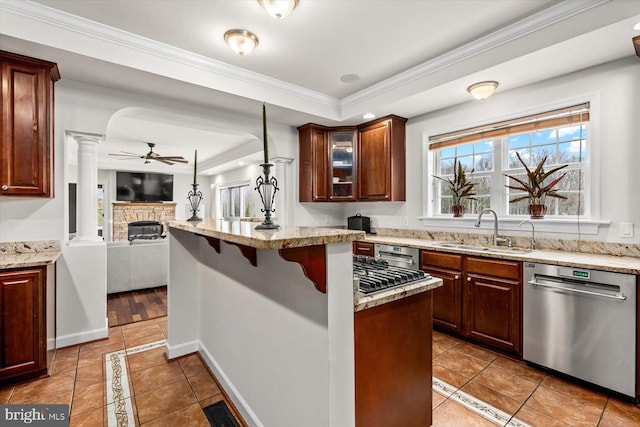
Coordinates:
179 159
129 152
130 156
159 159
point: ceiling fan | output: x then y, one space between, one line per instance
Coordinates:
151 155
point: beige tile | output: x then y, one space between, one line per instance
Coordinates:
138 325
164 400
452 414
67 351
613 420
492 397
518 368
63 363
460 363
564 408
191 416
537 419
136 341
477 352
93 418
448 376
5 394
40 390
114 338
583 394
93 357
436 399
89 375
147 359
192 365
623 409
88 398
506 383
140 329
156 376
213 399
204 386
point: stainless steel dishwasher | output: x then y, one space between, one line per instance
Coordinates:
582 323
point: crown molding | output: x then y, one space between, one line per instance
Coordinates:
545 18
105 33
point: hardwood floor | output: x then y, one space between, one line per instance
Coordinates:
135 306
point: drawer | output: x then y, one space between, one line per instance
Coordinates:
363 248
494 267
439 259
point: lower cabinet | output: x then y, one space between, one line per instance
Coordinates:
393 363
481 298
23 324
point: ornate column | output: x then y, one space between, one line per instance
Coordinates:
87 188
281 171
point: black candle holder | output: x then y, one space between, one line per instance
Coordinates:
195 197
267 187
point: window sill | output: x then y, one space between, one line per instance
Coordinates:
547 225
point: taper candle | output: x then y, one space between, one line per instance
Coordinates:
195 167
264 133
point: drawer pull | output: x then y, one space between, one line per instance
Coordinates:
5 187
456 277
468 279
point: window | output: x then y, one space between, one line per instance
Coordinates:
236 201
491 152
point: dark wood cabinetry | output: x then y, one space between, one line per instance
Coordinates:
481 298
22 324
26 143
363 248
393 363
381 160
351 163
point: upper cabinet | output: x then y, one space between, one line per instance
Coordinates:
353 163
381 160
26 143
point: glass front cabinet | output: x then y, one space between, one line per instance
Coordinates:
342 145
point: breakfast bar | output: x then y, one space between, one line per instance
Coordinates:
272 314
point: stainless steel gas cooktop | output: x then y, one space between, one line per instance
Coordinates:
375 274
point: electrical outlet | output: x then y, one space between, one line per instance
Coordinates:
405 221
626 229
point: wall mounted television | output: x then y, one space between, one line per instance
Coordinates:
144 187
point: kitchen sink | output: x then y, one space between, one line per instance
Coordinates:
487 249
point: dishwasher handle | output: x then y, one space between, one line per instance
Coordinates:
619 297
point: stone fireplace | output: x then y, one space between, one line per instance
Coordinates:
125 213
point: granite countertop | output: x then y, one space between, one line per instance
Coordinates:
620 264
244 233
28 254
364 301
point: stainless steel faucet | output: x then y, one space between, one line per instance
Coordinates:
533 233
496 239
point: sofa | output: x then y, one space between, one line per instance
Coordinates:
138 264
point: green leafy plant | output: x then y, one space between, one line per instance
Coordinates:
460 187
535 187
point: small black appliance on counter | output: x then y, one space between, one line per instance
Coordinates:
359 222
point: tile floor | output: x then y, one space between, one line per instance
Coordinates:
173 393
163 393
525 396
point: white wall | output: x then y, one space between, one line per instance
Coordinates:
617 149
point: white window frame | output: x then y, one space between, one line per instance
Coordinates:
243 202
588 223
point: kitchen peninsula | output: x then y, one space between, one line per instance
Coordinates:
272 314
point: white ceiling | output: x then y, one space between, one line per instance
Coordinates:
410 57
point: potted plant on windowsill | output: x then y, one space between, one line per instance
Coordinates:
460 187
535 187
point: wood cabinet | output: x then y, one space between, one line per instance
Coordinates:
353 163
381 160
447 299
481 298
27 140
363 248
23 324
393 363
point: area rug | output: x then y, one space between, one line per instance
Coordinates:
219 415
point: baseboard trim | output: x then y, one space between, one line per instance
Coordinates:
245 411
181 349
82 337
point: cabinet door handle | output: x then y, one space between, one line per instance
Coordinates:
468 279
5 187
456 277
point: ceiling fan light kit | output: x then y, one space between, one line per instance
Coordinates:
151 155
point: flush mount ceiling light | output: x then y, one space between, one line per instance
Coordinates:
367 116
637 27
279 9
241 42
482 90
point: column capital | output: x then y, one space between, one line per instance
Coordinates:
85 137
